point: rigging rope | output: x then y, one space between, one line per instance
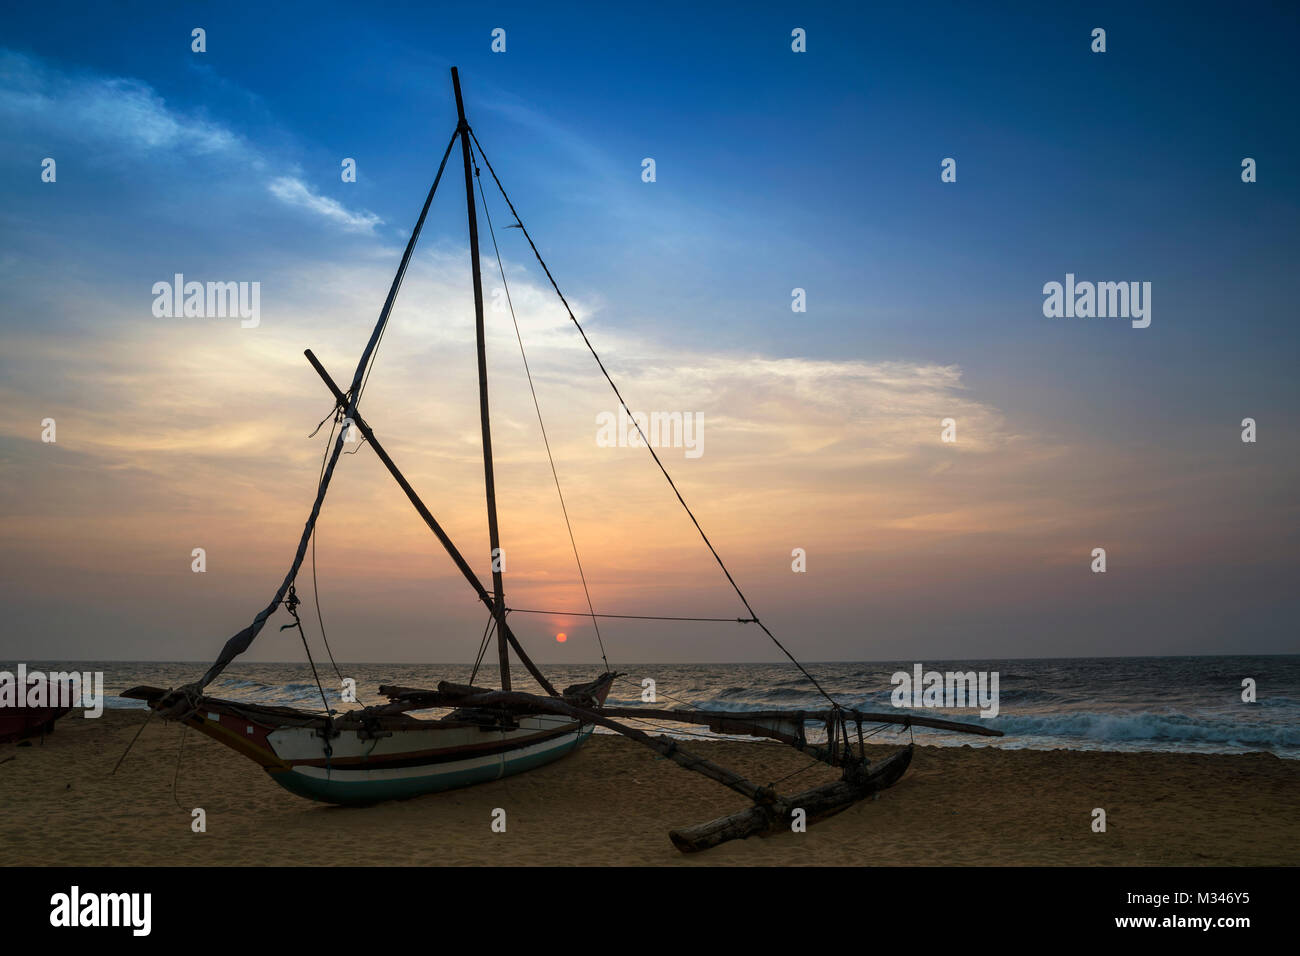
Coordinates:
291 605
180 751
538 407
482 647
647 724
816 762
658 693
132 743
636 617
314 589
740 594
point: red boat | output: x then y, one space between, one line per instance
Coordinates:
17 723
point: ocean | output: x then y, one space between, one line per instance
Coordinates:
1182 704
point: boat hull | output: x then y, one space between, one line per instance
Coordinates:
18 723
374 754
357 767
409 767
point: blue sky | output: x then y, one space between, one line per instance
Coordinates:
775 170
1066 159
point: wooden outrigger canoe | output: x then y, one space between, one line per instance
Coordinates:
387 752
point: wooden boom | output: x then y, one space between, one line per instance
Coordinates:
754 719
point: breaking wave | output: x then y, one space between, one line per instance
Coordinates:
1169 728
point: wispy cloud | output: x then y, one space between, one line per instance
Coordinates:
295 192
118 113
124 118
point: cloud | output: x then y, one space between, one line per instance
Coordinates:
294 192
114 113
123 118
182 433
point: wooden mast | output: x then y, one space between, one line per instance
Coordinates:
494 538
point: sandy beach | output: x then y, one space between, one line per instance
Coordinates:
613 802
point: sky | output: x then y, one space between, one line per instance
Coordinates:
775 170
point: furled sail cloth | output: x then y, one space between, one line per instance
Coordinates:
241 641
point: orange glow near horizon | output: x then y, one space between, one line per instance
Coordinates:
163 447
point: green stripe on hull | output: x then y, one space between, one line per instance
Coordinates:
374 791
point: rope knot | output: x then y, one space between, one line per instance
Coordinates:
292 601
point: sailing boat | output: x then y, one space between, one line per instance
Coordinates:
384 752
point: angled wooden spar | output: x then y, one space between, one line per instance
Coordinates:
494 537
911 720
766 723
436 528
